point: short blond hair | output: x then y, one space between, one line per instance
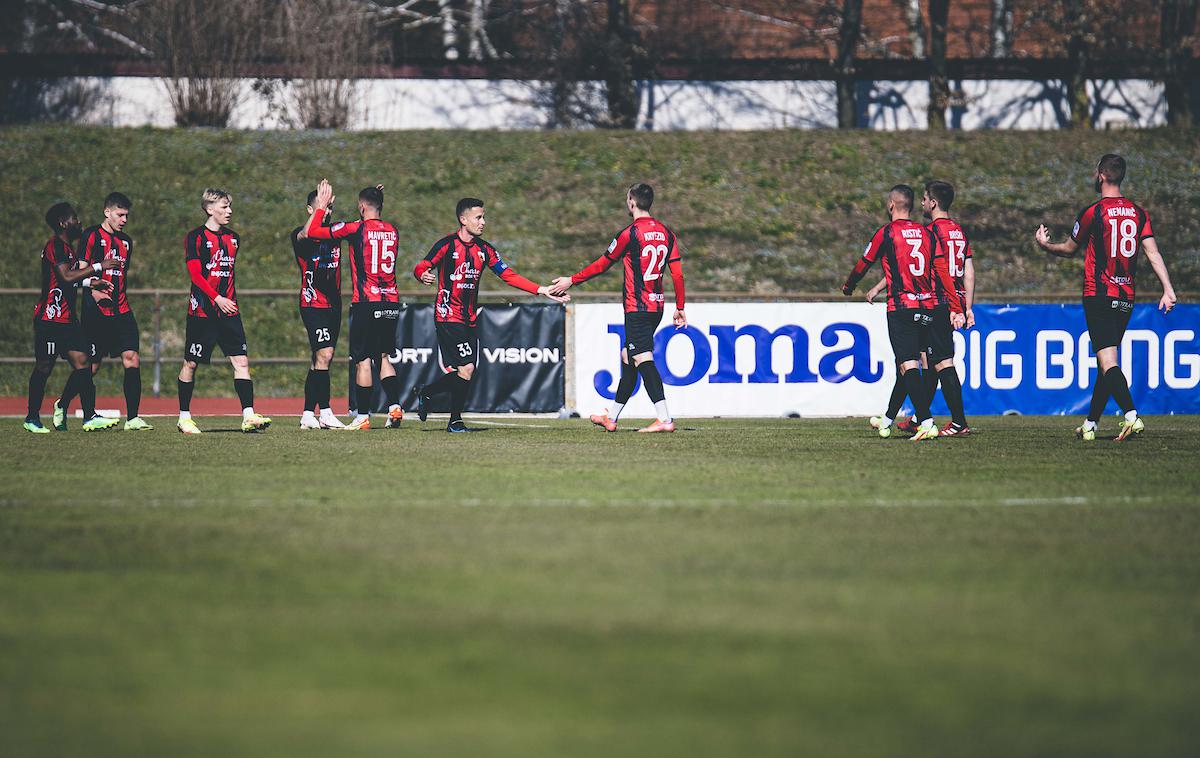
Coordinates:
211 196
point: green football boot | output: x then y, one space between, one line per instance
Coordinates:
137 424
99 424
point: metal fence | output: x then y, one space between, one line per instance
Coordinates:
422 296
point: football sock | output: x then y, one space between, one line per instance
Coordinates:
245 393
444 383
916 392
321 388
1099 398
930 376
660 409
628 383
899 392
362 400
87 392
952 391
37 391
391 390
185 396
310 389
652 380
614 412
458 398
133 391
1119 388
71 389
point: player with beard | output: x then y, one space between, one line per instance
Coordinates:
914 299
1111 232
375 302
952 261
56 330
646 247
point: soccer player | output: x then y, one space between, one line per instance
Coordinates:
907 249
56 330
952 259
321 313
107 319
1110 231
210 252
454 264
646 246
375 302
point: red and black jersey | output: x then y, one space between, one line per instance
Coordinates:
216 253
646 247
57 301
906 248
373 244
1111 234
320 263
459 266
99 244
952 249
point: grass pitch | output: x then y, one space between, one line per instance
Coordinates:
739 588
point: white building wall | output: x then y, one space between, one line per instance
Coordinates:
386 104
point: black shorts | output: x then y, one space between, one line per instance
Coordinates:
639 331
323 326
203 333
373 329
458 344
941 336
51 338
909 330
109 336
1107 318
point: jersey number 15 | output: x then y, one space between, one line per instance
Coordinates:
383 255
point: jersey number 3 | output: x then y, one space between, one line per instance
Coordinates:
658 256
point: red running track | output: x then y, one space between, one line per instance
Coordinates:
169 406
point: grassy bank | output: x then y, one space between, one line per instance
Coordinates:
764 211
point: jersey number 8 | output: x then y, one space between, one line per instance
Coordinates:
658 256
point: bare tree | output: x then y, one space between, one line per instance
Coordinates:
1002 28
620 87
325 46
1177 36
849 33
939 85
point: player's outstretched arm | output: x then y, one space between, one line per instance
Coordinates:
1167 302
1061 249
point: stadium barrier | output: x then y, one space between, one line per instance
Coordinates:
799 355
835 359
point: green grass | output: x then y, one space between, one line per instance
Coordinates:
768 212
739 588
